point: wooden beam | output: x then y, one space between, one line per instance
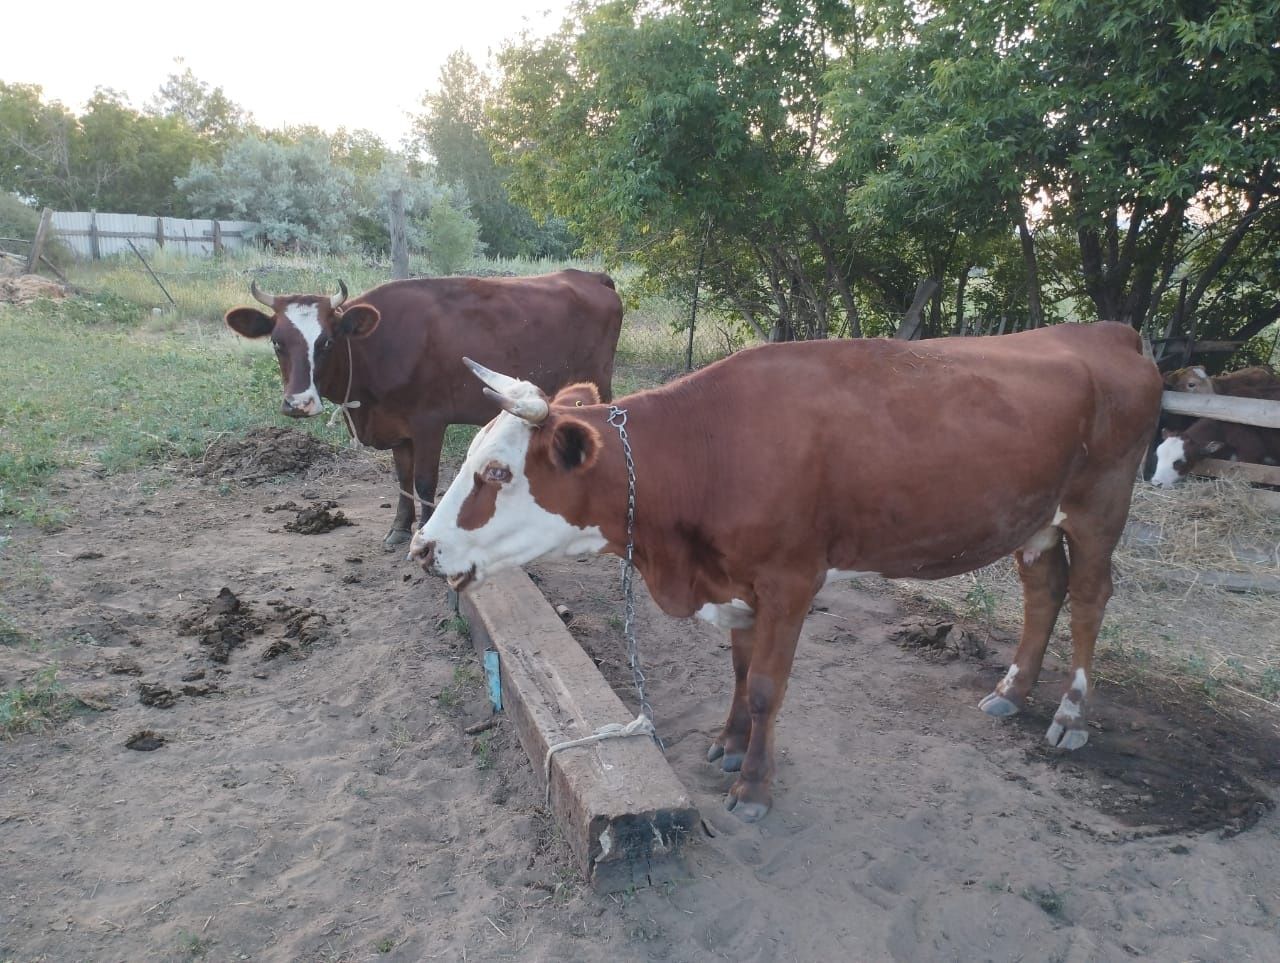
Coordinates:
1258 474
1245 411
617 802
37 243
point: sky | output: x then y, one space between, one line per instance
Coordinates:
361 63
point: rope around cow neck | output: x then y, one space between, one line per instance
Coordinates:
347 404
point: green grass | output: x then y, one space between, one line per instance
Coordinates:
41 702
115 379
90 391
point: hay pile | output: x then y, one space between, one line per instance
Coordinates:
26 288
1170 606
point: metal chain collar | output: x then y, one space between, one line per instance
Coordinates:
618 419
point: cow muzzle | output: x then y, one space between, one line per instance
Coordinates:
306 409
423 551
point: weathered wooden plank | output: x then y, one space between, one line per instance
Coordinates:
1244 411
619 805
37 243
1258 474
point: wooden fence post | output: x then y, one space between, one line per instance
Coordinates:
37 243
159 232
399 235
94 251
217 237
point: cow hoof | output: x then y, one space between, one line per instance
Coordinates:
748 810
395 538
1062 737
732 761
715 752
998 706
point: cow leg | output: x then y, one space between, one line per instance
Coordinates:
402 526
731 744
772 655
427 442
1044 586
1090 580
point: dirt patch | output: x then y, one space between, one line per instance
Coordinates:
327 802
262 454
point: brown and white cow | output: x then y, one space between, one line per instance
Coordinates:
1253 382
761 475
1180 451
394 355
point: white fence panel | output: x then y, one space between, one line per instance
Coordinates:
92 235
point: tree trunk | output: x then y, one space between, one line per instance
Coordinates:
961 283
913 320
1035 310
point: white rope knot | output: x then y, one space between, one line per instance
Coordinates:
339 411
641 725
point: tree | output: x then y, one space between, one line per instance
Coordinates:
294 193
453 130
1145 130
695 132
207 111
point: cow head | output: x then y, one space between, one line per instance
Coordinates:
522 492
1178 452
1195 380
303 330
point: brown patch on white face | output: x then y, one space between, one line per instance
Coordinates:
480 505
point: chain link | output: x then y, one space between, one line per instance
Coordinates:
618 419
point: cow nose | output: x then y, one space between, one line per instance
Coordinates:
424 553
287 407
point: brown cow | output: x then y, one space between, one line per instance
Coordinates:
761 475
393 355
1252 382
1180 451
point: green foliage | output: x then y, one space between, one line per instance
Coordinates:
91 392
453 130
294 193
452 238
20 220
111 157
35 705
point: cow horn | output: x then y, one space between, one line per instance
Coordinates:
267 299
336 300
533 410
502 384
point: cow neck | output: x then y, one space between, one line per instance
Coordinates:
665 432
341 372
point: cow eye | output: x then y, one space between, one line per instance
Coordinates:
325 343
500 474
277 346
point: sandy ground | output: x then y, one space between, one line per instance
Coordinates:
316 798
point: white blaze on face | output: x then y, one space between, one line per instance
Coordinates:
306 319
1172 450
519 531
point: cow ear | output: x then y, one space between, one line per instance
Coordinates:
357 321
250 322
574 444
583 393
